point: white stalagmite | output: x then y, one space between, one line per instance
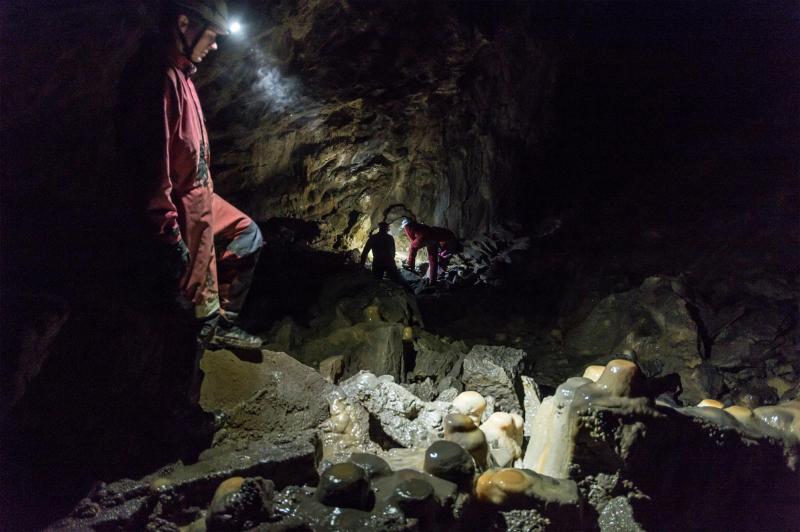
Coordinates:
504 437
531 402
550 449
471 404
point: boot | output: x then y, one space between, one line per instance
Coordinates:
222 331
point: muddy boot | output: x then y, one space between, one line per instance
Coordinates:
228 334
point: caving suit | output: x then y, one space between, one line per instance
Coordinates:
184 205
383 250
441 243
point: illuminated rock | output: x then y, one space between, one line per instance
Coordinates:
405 418
286 395
462 430
652 320
504 437
471 404
710 403
621 384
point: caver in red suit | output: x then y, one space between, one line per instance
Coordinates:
184 207
441 243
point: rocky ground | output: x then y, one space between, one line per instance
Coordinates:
359 366
626 191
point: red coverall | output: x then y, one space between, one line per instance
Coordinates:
186 207
441 243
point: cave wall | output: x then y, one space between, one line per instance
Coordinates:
334 111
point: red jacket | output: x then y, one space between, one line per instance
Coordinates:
181 207
422 236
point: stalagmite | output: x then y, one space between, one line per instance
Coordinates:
471 404
550 449
504 437
460 429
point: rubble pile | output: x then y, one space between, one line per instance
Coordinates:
602 453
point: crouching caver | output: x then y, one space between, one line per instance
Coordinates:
440 243
214 245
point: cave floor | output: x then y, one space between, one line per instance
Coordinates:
487 315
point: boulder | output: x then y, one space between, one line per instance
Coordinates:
435 357
129 504
750 339
652 321
291 397
495 371
407 420
373 346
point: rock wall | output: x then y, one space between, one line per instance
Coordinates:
335 111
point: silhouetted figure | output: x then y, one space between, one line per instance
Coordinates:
441 244
382 246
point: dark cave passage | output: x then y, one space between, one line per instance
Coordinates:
623 178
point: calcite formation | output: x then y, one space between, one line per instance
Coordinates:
531 402
462 430
240 503
550 449
346 431
603 444
522 488
471 404
504 438
784 417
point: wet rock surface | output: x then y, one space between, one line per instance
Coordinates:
450 461
623 461
292 397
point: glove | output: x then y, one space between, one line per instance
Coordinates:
178 259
